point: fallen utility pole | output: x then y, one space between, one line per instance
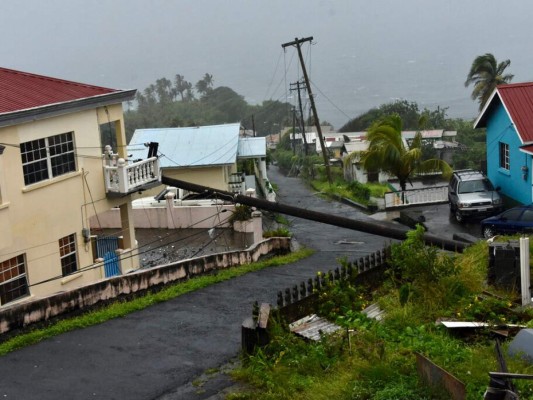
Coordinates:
376 228
297 43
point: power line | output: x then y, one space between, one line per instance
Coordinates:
134 254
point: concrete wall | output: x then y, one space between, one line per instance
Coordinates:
20 315
216 177
169 217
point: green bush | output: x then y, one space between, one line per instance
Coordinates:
242 213
280 232
358 190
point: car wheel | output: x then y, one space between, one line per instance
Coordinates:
488 232
458 216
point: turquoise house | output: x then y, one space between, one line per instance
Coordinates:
508 118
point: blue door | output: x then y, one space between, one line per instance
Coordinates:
105 248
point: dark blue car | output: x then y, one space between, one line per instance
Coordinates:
515 220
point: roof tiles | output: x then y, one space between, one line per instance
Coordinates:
22 90
518 100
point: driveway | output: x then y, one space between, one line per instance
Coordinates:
156 353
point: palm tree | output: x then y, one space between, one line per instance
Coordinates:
485 73
389 153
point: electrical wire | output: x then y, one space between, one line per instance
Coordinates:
134 254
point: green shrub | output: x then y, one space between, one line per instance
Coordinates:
280 232
241 213
359 190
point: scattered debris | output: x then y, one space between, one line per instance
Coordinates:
374 312
313 327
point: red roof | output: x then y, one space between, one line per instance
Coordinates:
517 99
22 90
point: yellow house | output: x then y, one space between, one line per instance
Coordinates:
206 155
55 174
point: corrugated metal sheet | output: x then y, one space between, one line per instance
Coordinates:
252 147
189 147
518 100
21 91
313 327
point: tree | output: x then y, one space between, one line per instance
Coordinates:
183 88
407 110
389 153
205 85
485 73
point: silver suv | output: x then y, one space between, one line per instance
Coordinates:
471 194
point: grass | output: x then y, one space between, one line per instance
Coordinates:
342 188
378 360
123 308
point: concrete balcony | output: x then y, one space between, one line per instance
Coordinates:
124 177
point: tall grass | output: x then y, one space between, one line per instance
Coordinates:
376 360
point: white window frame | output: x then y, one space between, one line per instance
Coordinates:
504 156
7 267
48 150
68 254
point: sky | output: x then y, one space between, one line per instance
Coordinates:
364 52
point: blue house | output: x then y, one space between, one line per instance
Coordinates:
508 118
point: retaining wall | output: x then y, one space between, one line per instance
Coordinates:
20 315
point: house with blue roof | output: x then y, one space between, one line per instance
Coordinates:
205 155
508 118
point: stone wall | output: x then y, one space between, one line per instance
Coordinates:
20 315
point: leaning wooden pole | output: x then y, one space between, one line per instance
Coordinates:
297 43
384 229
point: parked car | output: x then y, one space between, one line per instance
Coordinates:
515 220
471 194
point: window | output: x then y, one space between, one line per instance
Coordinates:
504 156
13 282
47 158
67 253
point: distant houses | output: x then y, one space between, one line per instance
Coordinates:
211 156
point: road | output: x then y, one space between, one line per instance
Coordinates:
158 352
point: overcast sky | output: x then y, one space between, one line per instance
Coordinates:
365 52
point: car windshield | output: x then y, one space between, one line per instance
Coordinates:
481 185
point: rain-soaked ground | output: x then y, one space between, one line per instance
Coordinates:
162 246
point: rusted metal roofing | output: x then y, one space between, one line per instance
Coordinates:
22 91
517 98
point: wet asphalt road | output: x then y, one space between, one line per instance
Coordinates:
156 353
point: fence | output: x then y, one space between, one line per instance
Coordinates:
126 178
301 300
435 194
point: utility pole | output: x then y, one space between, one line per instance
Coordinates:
293 130
297 43
253 125
302 122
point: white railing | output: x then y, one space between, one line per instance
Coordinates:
436 194
123 177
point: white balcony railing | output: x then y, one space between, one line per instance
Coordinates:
122 176
437 194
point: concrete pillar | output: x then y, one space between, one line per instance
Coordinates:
169 197
131 262
263 168
128 230
257 224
